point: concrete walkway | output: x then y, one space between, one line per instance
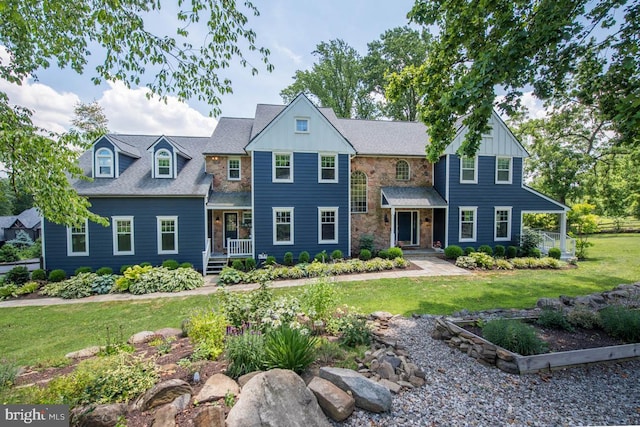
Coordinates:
428 267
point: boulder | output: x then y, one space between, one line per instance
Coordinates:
337 404
85 352
386 371
368 394
163 393
217 387
169 332
209 416
98 416
246 377
165 416
141 337
393 387
276 398
181 402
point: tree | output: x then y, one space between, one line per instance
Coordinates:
38 34
397 48
582 223
563 49
90 120
335 81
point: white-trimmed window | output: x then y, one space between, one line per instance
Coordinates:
468 223
503 170
302 125
327 225
78 240
402 170
502 230
282 167
358 192
164 166
167 234
283 226
233 169
469 170
122 235
247 218
328 167
104 163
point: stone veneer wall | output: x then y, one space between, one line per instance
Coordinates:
381 172
218 168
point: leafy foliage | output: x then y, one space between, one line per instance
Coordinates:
336 254
512 251
366 242
245 353
38 274
9 253
621 322
17 275
469 250
82 270
453 251
104 271
499 251
555 319
170 264
304 257
555 253
485 249
365 254
514 336
57 275
8 372
288 258
394 253
350 325
288 348
582 223
319 299
78 286
103 284
8 291
583 317
206 330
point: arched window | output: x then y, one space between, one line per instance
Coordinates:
358 192
402 170
164 168
104 163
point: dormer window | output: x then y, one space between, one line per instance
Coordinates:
164 168
104 163
302 125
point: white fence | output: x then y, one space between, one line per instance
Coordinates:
551 239
239 247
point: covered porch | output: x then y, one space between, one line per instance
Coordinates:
557 238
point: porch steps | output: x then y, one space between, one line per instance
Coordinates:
419 254
216 264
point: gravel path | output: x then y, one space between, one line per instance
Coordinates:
461 392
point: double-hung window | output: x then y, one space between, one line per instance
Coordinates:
328 167
164 167
358 192
233 169
503 170
104 163
167 234
78 240
122 235
282 167
327 225
502 230
468 223
282 226
469 170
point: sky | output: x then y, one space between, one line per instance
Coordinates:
290 29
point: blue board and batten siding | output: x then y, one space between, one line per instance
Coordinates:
191 234
486 195
305 194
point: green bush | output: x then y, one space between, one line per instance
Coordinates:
230 275
288 258
271 260
206 329
145 264
321 257
383 253
79 286
554 319
469 250
186 265
249 264
583 317
288 348
38 274
304 257
365 254
17 275
28 288
9 253
453 251
486 249
394 253
482 260
336 255
8 373
237 264
103 284
499 251
104 271
528 242
57 275
82 270
319 299
512 251
366 242
125 268
170 264
621 322
535 252
245 353
555 253
351 326
503 264
161 279
514 336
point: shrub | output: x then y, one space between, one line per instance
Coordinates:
205 329
125 268
271 260
237 264
170 264
482 259
528 242
8 291
250 264
514 336
583 317
189 265
230 276
28 288
161 279
621 322
469 250
555 253
499 251
350 325
245 353
103 284
82 270
145 264
466 262
38 274
288 258
453 251
130 276
535 252
365 254
503 264
394 253
9 253
104 271
366 242
336 255
17 275
8 373
57 275
319 300
304 257
383 253
321 257
554 319
512 251
486 249
288 348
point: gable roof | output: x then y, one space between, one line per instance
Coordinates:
29 217
123 146
173 141
230 136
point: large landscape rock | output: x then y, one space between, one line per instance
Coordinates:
336 403
165 416
141 337
209 416
276 398
217 387
163 393
368 394
98 416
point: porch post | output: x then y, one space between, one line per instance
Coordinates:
563 232
393 231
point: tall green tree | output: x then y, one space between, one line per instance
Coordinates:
39 34
396 49
336 80
89 120
573 49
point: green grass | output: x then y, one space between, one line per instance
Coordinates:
36 334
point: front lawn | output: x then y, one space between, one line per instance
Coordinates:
36 334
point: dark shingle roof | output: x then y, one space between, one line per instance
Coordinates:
29 217
230 136
386 138
239 199
426 197
265 113
136 180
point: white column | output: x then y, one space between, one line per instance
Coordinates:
392 223
563 232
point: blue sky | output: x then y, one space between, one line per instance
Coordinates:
289 28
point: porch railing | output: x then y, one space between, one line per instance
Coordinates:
205 256
239 247
551 239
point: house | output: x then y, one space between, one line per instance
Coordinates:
28 221
293 178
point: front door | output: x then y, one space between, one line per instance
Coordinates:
407 226
230 226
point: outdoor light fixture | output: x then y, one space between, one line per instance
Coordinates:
386 219
217 219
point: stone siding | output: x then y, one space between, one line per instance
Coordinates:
217 166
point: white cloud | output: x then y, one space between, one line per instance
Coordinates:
534 107
297 59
